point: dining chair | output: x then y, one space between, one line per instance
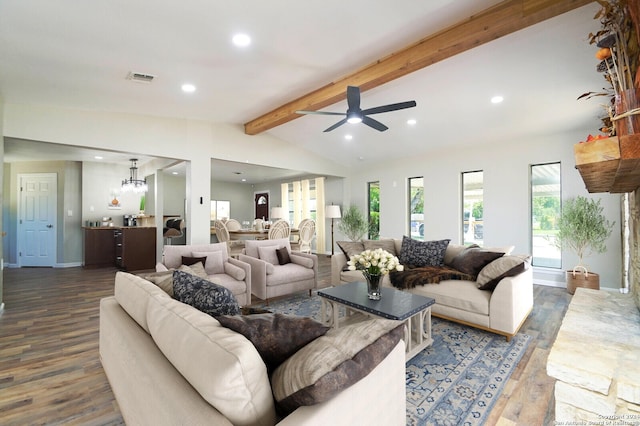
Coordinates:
233 225
279 229
306 233
234 247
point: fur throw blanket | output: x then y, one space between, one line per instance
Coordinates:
409 278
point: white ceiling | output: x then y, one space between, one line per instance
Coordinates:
76 54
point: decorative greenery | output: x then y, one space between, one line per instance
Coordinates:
142 203
353 224
582 227
375 262
618 42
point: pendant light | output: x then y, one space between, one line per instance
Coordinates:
133 184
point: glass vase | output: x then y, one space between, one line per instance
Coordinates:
374 282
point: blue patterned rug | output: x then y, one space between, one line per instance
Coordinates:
455 381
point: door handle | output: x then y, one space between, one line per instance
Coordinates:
49 226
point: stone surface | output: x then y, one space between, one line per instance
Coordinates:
595 357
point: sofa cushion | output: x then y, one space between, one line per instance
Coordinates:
163 279
422 253
268 254
172 255
453 250
289 273
204 295
132 293
333 362
214 263
251 246
458 294
351 248
220 364
283 256
275 336
472 260
505 266
196 269
384 243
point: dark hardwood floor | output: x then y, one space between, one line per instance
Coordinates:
50 371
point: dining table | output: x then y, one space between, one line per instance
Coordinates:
251 233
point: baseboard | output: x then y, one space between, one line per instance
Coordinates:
57 265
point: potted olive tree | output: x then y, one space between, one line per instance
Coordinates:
353 224
583 229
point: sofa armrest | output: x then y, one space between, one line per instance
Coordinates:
313 258
161 268
338 261
354 403
511 302
247 270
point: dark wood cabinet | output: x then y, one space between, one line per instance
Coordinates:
128 248
135 248
99 247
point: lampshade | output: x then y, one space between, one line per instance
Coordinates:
278 213
332 212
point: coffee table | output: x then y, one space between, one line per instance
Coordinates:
394 304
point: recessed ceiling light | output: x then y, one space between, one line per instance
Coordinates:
243 179
497 99
241 40
188 88
98 157
348 137
174 173
411 122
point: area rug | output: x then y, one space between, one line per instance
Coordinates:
455 381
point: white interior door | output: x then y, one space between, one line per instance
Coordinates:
37 219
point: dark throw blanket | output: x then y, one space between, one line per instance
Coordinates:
411 277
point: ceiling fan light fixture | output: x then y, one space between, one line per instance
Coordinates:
354 117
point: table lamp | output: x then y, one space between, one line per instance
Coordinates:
277 213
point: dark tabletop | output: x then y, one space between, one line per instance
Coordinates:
394 304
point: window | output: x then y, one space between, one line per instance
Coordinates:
374 210
472 207
545 211
416 208
300 200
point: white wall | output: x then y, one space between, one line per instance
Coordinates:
506 195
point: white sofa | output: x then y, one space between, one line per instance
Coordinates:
220 267
170 364
500 311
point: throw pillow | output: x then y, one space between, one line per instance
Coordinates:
196 269
275 336
506 266
422 253
333 362
349 248
472 260
205 296
268 254
163 279
213 263
384 243
190 260
283 256
455 249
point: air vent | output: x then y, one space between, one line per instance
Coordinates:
140 77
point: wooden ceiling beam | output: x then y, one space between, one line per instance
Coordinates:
500 20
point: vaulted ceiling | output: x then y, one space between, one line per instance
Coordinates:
79 54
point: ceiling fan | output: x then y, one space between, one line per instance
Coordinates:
356 115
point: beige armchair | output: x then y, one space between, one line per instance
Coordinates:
219 266
272 276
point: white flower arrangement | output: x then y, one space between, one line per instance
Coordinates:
375 262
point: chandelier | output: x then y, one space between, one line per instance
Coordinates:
133 184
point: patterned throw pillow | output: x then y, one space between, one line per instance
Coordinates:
275 336
422 253
210 298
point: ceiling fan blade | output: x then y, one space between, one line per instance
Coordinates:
353 98
338 124
390 107
374 123
320 112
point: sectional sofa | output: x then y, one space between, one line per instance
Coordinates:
501 310
171 364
